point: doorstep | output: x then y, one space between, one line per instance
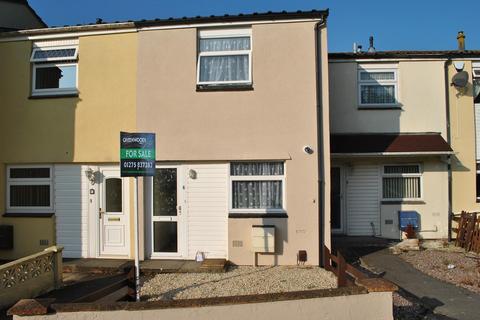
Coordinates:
151 267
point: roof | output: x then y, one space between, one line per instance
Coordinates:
30 9
374 143
404 54
242 17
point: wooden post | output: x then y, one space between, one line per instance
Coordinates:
341 267
328 261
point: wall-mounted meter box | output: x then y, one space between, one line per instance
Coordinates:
263 239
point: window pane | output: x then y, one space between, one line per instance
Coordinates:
113 195
257 195
224 68
377 76
68 53
377 94
256 169
32 173
478 185
401 169
61 77
401 187
165 236
476 90
165 192
225 44
30 196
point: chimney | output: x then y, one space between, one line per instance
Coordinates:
461 41
371 48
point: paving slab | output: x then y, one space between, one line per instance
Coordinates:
446 300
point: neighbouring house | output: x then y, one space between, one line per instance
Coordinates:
18 15
239 106
397 123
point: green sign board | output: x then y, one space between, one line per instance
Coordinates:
137 154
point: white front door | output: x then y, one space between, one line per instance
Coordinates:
167 233
113 213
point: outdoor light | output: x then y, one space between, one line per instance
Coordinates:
90 175
192 174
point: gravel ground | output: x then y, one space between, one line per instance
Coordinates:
466 271
236 281
407 308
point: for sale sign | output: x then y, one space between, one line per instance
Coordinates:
137 154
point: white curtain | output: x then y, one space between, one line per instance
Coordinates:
378 94
224 68
257 194
256 169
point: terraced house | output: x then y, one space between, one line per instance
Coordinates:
404 130
239 105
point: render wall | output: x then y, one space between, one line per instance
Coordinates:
274 121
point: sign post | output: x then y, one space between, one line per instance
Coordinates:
137 159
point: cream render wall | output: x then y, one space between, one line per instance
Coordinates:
421 96
462 123
272 122
64 130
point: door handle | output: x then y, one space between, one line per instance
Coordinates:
100 212
179 208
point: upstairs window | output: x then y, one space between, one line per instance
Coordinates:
29 188
402 182
54 70
224 57
377 87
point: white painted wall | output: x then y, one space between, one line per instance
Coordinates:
207 207
363 200
71 209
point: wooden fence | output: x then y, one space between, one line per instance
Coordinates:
345 272
468 231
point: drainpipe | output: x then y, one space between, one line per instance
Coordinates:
320 145
449 140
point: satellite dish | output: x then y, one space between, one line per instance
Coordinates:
460 80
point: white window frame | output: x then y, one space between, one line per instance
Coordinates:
403 175
281 178
52 91
477 172
54 62
74 57
29 182
225 33
361 83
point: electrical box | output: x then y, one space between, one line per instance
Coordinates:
408 218
6 237
263 239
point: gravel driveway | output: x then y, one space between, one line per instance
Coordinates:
241 280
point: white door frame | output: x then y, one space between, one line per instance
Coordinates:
343 193
94 211
181 218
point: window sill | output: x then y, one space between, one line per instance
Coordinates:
387 202
248 215
53 96
392 107
224 87
28 214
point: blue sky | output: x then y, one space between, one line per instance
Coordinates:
396 25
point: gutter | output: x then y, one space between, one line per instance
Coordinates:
449 140
320 137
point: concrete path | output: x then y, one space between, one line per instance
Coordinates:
446 300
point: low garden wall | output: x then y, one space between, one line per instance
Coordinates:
30 276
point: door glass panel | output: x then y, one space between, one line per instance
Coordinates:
165 192
113 195
165 236
336 198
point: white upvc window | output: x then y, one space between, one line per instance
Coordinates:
478 182
377 87
402 182
29 188
54 70
257 187
224 57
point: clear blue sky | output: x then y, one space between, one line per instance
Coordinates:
396 25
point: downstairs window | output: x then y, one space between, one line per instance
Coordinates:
402 182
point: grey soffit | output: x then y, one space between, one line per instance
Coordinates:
412 54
